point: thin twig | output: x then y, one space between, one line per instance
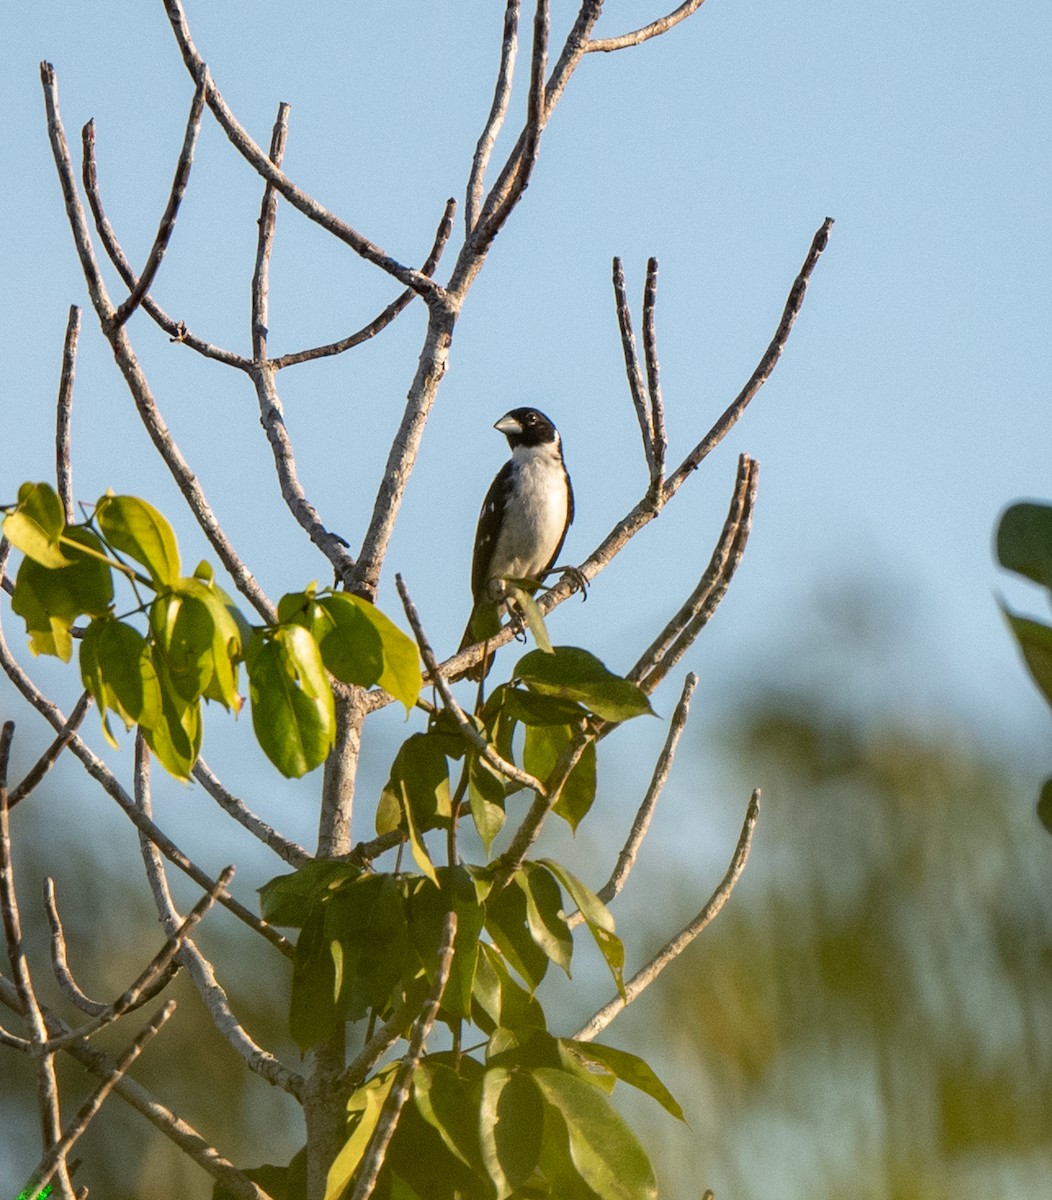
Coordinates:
636 385
383 319
64 410
201 970
291 852
182 1135
498 110
644 34
374 1049
657 404
675 947
254 155
399 1093
683 628
88 1110
176 330
47 760
265 242
151 980
167 225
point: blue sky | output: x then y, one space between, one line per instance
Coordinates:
911 405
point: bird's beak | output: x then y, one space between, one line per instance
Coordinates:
508 425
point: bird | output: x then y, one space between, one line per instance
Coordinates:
523 522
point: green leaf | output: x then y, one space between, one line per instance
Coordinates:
183 631
280 1183
112 657
293 711
507 924
36 525
603 1150
420 773
361 645
313 1011
137 529
449 1104
543 746
49 599
500 1002
597 917
534 708
629 1068
428 905
1024 541
532 614
1035 641
486 796
364 1109
511 1125
575 674
366 919
287 900
174 733
544 913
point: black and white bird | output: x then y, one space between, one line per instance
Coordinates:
523 523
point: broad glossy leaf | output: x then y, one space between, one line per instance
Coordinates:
507 924
1024 541
366 918
50 600
174 734
287 900
183 631
448 1102
420 773
543 746
362 645
293 712
597 917
36 525
229 632
112 656
604 1151
544 913
364 1109
511 1126
629 1068
536 708
575 674
137 529
313 1010
500 1002
428 905
1035 641
486 797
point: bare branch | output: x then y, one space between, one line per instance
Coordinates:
200 968
380 322
265 244
644 34
657 404
464 724
399 1093
374 1049
176 330
299 199
632 368
171 211
291 852
189 1141
88 1110
47 760
681 631
495 120
627 858
675 947
64 409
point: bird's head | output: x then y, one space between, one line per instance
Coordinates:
526 427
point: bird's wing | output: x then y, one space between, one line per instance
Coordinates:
490 519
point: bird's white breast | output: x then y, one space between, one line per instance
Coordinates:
535 515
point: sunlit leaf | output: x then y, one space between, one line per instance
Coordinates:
604 1150
174 733
363 1108
36 525
420 773
544 744
511 1125
544 913
498 1001
597 917
362 645
449 1104
575 674
293 711
532 615
49 600
629 1068
112 654
486 798
136 528
507 924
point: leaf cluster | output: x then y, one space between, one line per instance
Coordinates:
181 640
